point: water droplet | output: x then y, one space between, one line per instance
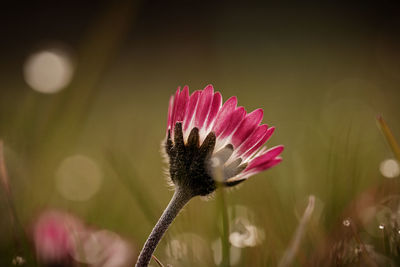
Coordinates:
346 222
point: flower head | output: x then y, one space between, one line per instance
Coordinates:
202 133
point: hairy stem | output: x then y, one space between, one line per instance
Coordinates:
178 201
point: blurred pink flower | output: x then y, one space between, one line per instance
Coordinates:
61 239
239 136
53 237
104 249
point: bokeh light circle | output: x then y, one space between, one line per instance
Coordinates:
48 71
78 178
390 168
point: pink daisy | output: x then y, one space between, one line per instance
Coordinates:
207 144
202 131
53 237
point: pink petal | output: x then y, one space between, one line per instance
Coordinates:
233 121
173 115
260 168
170 107
191 108
247 126
53 236
224 114
203 107
265 157
265 138
257 135
182 104
215 107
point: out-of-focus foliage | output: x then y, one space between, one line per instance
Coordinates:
322 74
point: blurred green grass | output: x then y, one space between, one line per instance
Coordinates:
322 104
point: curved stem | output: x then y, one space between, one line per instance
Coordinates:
178 201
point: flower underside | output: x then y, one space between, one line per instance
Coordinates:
209 142
190 162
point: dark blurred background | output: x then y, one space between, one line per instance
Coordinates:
84 95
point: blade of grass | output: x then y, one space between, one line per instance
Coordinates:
3 170
223 213
290 253
70 108
389 137
125 173
9 202
157 260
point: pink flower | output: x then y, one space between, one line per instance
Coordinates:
201 132
53 237
61 239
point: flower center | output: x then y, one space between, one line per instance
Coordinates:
196 167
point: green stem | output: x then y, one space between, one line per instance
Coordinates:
178 201
225 228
